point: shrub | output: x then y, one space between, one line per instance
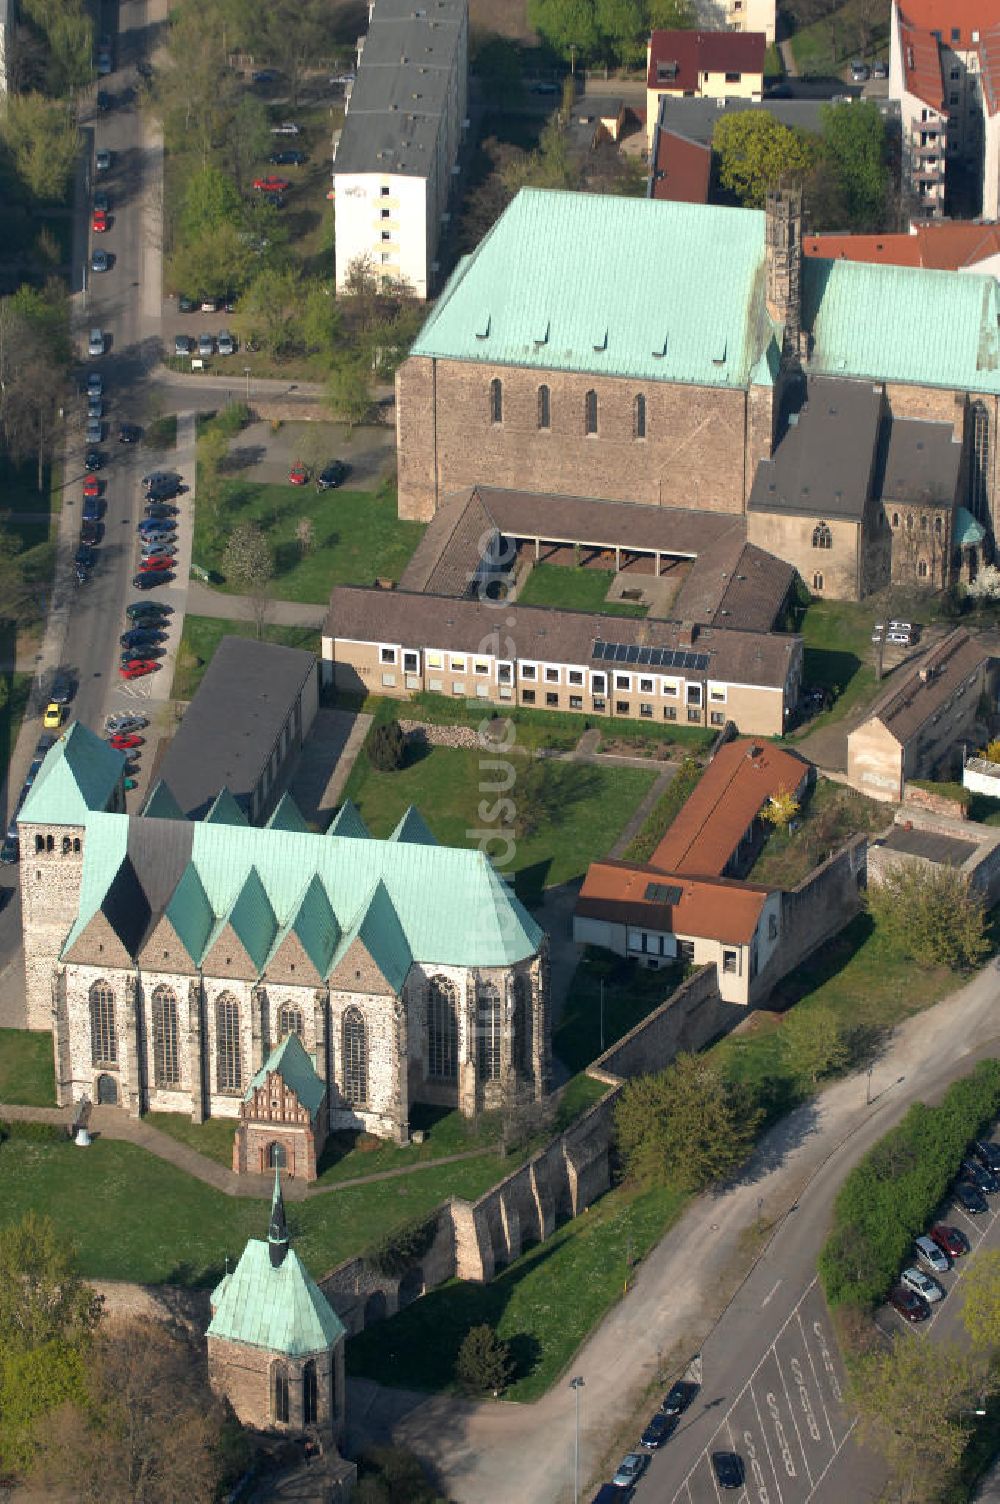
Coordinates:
35 1133
387 747
398 1250
233 418
932 914
484 1364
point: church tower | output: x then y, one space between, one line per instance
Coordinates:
783 250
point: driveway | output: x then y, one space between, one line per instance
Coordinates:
263 455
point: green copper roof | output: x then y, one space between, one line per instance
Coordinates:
966 532
281 1310
290 1061
162 805
190 913
315 924
413 827
225 810
253 919
615 286
80 773
902 323
348 822
286 815
378 928
765 372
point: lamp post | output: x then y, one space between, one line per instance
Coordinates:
576 1384
868 1092
246 372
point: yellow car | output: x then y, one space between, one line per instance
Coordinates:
52 719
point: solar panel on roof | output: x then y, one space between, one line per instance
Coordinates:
631 655
662 893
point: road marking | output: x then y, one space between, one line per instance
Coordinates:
771 1293
779 1431
828 1363
761 1488
803 1399
819 1386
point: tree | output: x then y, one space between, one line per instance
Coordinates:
687 1126
991 752
932 914
33 1384
69 44
896 1391
781 809
672 15
44 141
319 317
624 28
248 140
42 1297
268 310
210 199
496 62
754 152
305 533
349 389
853 147
215 262
981 1311
387 747
248 559
569 26
814 1043
484 1364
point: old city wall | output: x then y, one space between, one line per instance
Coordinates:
693 454
688 1020
815 911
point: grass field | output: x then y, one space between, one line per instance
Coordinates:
664 813
202 635
574 590
828 818
27 1074
630 992
584 810
838 656
358 536
825 47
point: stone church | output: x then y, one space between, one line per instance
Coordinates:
170 958
660 353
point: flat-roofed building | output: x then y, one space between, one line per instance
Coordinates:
397 153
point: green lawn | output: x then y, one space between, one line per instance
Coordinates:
838 655
358 537
830 816
557 730
544 1304
202 635
664 813
825 47
585 808
574 590
27 1073
14 692
630 993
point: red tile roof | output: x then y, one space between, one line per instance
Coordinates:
682 169
922 71
704 908
947 16
697 52
989 68
738 782
941 247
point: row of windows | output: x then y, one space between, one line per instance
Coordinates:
279 1394
70 844
823 538
543 416
442 1029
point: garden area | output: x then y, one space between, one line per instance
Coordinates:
607 997
826 46
829 816
574 590
202 634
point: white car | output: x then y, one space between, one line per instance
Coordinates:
226 343
921 1284
631 1469
95 345
931 1256
286 128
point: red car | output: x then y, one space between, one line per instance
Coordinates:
100 221
271 184
298 474
137 667
911 1306
158 562
949 1240
123 742
91 486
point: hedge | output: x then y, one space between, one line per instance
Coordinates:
892 1195
24 1128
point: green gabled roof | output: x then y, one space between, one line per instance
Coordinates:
315 924
279 1309
902 323
162 805
616 286
290 1061
190 913
225 810
378 928
413 827
253 919
966 532
765 372
286 815
79 775
348 822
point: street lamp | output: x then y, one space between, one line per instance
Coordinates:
246 372
868 1093
577 1385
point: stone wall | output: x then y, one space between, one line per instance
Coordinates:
815 911
937 804
688 1020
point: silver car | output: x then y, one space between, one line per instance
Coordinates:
227 345
95 345
206 345
931 1256
921 1284
95 430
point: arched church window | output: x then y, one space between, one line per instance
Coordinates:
310 1405
488 1023
590 412
544 407
166 1056
817 582
639 417
822 536
103 1033
355 1057
496 400
521 1044
442 1030
290 1021
228 1056
279 1394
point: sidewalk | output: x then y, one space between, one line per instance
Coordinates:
202 600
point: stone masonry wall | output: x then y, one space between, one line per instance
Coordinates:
687 1020
815 911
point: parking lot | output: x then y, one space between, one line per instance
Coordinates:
788 1422
944 1322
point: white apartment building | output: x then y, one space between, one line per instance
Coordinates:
396 157
738 15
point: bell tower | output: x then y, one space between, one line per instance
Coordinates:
783 250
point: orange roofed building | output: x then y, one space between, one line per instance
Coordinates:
950 246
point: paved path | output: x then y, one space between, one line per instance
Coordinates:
645 809
788 59
202 600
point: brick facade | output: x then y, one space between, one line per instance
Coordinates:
246 1377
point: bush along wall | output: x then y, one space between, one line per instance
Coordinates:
892 1195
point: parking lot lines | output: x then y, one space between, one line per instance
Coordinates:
976 1232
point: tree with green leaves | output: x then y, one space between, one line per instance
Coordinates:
813 1042
569 26
35 353
210 199
672 15
686 1126
496 62
932 914
623 25
854 149
484 1364
320 319
69 44
754 151
349 388
269 309
781 809
981 1308
44 142
248 559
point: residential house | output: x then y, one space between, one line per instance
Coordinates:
702 64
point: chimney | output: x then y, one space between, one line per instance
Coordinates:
783 251
687 634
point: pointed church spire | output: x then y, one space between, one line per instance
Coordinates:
277 1232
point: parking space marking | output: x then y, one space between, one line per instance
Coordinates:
767 1449
791 1411
819 1387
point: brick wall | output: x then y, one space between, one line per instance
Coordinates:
815 911
937 804
687 1020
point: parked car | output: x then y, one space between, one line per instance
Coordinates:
904 626
226 343
147 610
986 1180
186 305
182 344
679 1397
94 431
102 202
90 533
916 1280
987 1153
164 490
99 261
137 668
271 184
908 1304
95 384
61 687
287 158
149 579
860 72
206 346
91 509
10 850
99 223
95 344
161 511
970 1198
286 128
660 1429
949 1240
93 460
880 69
91 486
156 527
155 550
113 723
298 474
930 1255
148 565
899 639
264 76
102 161
124 741
53 717
129 433
331 476
95 406
728 1469
630 1470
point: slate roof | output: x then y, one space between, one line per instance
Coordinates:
290 1061
824 461
735 584
933 684
921 462
694 120
80 773
279 1309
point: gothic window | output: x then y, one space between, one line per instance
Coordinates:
488 1032
822 536
639 417
355 1058
279 1394
309 1394
103 1034
290 1021
590 412
895 519
979 467
923 522
817 582
496 400
442 1030
228 1059
544 408
521 1043
938 526
922 569
166 1057
276 1156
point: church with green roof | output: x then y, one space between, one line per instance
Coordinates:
174 959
